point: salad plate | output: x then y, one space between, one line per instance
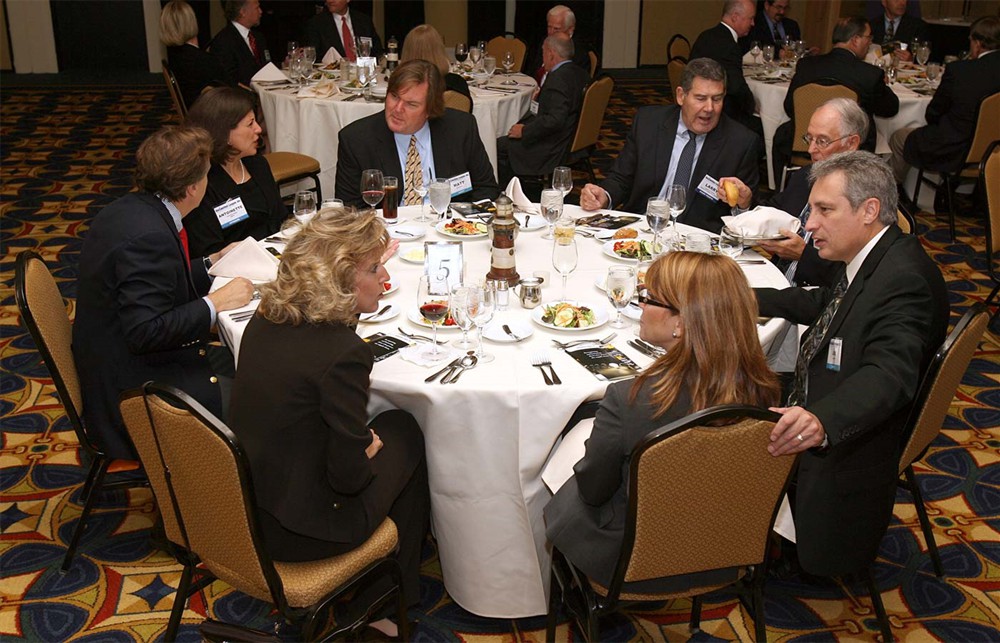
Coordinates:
568 315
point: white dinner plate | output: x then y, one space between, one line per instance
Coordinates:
601 234
347 89
479 225
414 316
405 232
379 91
535 222
600 316
609 249
494 331
392 313
414 255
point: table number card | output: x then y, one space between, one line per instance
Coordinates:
443 265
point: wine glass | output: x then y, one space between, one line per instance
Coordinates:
483 53
551 204
364 47
923 53
433 306
421 189
507 60
489 64
562 179
564 258
440 191
304 207
292 46
461 53
933 72
309 55
731 242
462 303
475 53
372 187
620 288
657 216
755 52
677 198
482 308
768 54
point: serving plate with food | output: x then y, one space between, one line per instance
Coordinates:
629 249
461 229
569 316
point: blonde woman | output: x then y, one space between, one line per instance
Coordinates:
193 68
425 43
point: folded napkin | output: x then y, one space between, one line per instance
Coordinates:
412 354
516 194
269 73
762 221
748 58
248 259
322 89
331 56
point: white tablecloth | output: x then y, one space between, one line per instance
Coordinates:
489 435
311 125
770 99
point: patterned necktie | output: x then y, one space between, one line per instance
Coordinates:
348 40
890 31
777 34
683 174
253 47
414 174
811 342
803 217
183 234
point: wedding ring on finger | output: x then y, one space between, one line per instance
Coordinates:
799 436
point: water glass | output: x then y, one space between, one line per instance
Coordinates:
933 72
475 53
698 242
620 287
677 198
755 51
657 216
421 189
562 179
923 53
482 314
331 203
489 65
768 54
440 191
551 204
564 258
463 304
731 242
304 207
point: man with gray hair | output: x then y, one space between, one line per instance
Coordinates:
691 144
860 362
720 43
239 46
838 125
559 19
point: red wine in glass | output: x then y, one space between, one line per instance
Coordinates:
434 311
372 197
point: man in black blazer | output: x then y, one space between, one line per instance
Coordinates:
943 143
656 144
539 142
720 44
415 130
142 311
771 25
904 28
860 363
559 19
325 30
239 47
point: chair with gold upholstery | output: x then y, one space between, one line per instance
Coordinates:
806 100
675 69
207 483
701 496
931 405
595 63
500 45
906 222
989 178
457 100
678 47
44 315
588 128
291 167
174 89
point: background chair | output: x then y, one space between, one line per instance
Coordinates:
723 490
500 45
291 167
208 485
987 131
457 100
806 100
989 177
595 63
678 47
588 128
931 405
174 89
44 315
905 221
675 69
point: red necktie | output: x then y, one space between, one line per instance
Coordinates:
183 234
253 47
540 74
348 40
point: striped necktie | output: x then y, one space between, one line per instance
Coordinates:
686 163
803 217
811 342
413 175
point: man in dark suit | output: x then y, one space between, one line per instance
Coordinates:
142 311
838 125
239 47
859 365
414 137
327 29
720 44
896 26
559 19
771 25
943 143
538 143
692 144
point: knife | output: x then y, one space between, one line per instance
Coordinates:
452 366
644 351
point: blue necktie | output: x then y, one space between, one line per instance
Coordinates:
684 165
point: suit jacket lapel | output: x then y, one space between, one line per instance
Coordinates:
714 142
388 156
664 147
169 222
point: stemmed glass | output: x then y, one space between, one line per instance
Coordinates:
731 242
564 258
481 308
551 204
434 308
461 53
677 198
292 46
372 187
440 191
657 216
489 64
933 71
304 207
507 60
755 52
620 288
562 179
421 189
475 53
923 54
768 54
309 56
481 46
462 305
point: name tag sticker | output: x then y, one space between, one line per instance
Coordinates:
833 354
709 188
231 212
534 107
460 184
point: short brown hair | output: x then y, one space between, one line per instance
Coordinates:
177 23
702 68
847 28
219 110
172 159
415 72
986 31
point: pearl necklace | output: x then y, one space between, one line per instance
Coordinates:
243 174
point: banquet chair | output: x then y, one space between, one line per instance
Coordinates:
675 70
291 167
588 127
678 47
987 131
806 100
500 45
44 315
931 405
174 89
207 482
905 221
595 63
723 489
457 100
989 177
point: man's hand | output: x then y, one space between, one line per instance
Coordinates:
215 256
744 192
593 197
796 431
390 250
791 247
515 130
235 294
904 55
375 446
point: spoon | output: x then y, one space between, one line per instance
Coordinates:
507 330
469 361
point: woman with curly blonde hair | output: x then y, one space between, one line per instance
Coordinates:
324 477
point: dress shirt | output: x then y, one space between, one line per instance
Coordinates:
731 30
245 34
675 155
772 25
854 265
424 149
175 214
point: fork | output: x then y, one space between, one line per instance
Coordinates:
578 342
541 360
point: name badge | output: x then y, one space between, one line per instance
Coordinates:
833 354
533 107
231 212
460 184
709 188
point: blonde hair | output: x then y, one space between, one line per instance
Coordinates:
317 275
718 357
177 23
424 42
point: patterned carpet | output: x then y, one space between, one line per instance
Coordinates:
67 152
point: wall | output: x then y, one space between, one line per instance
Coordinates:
661 19
450 17
31 36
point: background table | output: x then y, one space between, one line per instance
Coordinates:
311 125
489 435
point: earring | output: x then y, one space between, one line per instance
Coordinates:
675 334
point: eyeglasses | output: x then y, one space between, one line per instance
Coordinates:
646 300
821 143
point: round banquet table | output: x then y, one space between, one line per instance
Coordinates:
311 125
770 97
489 435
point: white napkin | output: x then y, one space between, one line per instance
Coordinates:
248 259
269 73
322 89
762 221
559 468
412 354
516 194
331 56
748 58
